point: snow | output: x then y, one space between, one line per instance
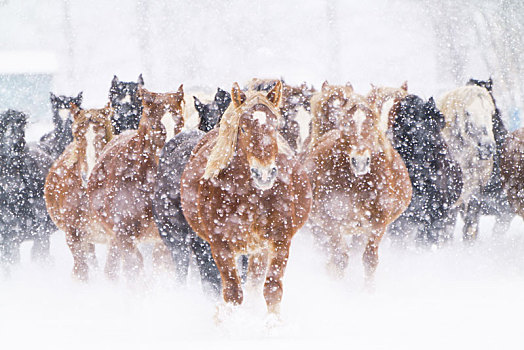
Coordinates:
455 297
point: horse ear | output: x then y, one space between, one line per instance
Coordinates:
114 81
52 97
237 95
198 105
75 110
275 95
79 98
348 85
325 85
432 102
404 86
372 95
140 80
180 91
489 84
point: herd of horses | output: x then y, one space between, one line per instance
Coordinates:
234 191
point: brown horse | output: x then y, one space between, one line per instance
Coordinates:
385 101
243 195
360 183
66 182
511 165
120 188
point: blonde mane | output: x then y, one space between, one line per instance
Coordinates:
224 148
455 102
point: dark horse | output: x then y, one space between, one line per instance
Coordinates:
55 141
23 169
436 178
126 104
167 210
494 199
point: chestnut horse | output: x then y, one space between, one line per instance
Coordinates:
360 183
243 195
66 182
385 101
120 189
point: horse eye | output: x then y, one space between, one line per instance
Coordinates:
242 129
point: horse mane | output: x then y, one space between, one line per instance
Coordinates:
224 148
454 103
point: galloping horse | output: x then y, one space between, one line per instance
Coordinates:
494 198
120 188
469 111
167 208
436 178
360 183
55 142
124 99
23 168
243 195
66 183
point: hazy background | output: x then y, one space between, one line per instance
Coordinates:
435 45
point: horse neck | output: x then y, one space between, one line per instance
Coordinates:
148 145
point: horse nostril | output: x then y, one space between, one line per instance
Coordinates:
255 172
353 162
368 161
274 171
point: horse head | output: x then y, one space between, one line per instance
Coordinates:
92 131
385 100
211 113
124 99
12 133
61 106
162 114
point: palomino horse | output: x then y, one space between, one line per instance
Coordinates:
360 183
469 111
120 188
385 100
436 178
167 208
66 183
124 99
55 142
243 195
23 168
494 198
511 165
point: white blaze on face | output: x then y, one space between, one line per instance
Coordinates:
64 113
359 117
303 118
126 99
384 114
169 125
260 116
90 149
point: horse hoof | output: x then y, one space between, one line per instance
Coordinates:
274 321
223 312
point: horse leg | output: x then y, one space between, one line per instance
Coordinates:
177 242
471 221
74 242
91 255
133 262
113 260
10 249
206 265
370 256
257 269
225 260
40 248
277 265
335 245
161 257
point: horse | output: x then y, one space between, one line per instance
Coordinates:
66 182
167 210
494 198
385 100
23 168
360 183
244 194
468 113
511 165
124 100
55 141
120 188
435 177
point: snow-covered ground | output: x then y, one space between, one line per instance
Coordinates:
457 297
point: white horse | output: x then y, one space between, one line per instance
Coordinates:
469 114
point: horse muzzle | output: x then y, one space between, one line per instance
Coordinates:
264 176
485 150
361 165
